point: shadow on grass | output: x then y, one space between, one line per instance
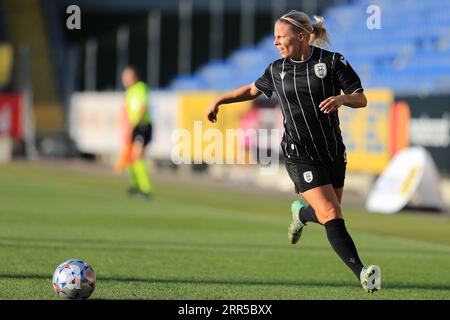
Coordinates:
115 245
240 282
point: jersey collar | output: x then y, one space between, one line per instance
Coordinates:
303 61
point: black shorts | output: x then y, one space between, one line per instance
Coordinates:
142 134
311 175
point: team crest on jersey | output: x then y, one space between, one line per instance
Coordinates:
308 176
320 70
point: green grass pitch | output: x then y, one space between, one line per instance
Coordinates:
200 243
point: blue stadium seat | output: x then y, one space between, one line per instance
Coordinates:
217 75
250 59
409 53
187 83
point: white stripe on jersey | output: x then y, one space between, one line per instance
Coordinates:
306 150
289 105
273 81
281 101
332 67
315 110
321 79
353 85
261 91
301 108
323 91
334 93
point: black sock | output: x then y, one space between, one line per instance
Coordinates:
307 214
343 245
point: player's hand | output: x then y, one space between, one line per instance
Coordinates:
331 104
212 111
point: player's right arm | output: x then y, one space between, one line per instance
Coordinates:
248 92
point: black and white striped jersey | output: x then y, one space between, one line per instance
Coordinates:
310 135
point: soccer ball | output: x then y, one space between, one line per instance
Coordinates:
74 279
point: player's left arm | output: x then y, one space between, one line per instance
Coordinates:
354 100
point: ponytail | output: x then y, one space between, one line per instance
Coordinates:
301 22
319 36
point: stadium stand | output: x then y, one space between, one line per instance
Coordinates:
409 53
25 24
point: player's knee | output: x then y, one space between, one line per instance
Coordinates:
330 213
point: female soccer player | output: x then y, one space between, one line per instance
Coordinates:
138 134
308 81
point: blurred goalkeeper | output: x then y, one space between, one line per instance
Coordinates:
137 133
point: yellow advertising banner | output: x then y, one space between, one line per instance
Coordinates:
366 132
202 141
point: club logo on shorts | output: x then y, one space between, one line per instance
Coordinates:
320 70
308 176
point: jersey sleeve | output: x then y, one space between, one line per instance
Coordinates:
347 78
264 83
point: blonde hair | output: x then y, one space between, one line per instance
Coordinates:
302 23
